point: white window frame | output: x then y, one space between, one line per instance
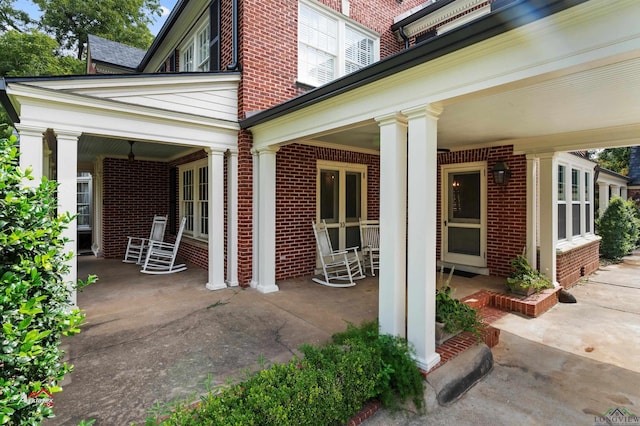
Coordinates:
338 49
85 178
192 55
584 199
197 222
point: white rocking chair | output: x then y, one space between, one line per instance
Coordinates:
341 265
161 256
137 246
370 239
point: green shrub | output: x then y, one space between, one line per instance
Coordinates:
35 308
524 277
325 387
619 228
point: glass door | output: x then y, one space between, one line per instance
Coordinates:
464 208
342 193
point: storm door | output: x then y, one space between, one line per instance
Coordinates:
341 201
464 217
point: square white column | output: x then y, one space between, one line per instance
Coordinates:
392 282
267 221
548 215
422 225
31 151
67 177
603 197
232 219
255 202
216 220
532 210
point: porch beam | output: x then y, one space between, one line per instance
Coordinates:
392 287
421 241
216 219
67 177
232 218
267 221
548 215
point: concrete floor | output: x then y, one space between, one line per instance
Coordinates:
154 339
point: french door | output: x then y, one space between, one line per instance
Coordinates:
464 217
342 201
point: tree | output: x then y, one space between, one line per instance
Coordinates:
619 228
615 159
124 21
35 306
12 19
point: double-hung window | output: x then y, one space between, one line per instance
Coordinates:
195 52
575 195
194 199
331 45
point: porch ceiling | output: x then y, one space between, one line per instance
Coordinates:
91 146
603 97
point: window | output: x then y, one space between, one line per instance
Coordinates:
194 52
84 201
575 208
194 199
330 46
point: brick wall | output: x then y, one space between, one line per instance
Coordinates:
575 264
506 205
132 194
296 203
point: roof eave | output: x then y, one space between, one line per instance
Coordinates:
6 102
497 22
164 31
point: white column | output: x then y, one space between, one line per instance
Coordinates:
615 191
532 210
603 197
392 282
98 189
255 245
67 177
624 193
549 215
31 151
232 219
216 220
421 242
267 221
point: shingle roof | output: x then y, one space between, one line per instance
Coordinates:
114 53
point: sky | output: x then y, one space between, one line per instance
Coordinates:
34 12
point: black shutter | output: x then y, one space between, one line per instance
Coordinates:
214 36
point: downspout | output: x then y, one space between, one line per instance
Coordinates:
404 37
234 66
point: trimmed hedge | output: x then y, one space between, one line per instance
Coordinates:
619 228
325 387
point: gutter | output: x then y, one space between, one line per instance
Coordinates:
502 20
6 102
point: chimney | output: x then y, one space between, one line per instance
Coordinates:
634 165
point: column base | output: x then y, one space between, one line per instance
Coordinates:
213 286
253 284
427 364
267 288
233 283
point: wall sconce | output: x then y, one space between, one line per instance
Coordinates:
501 173
131 155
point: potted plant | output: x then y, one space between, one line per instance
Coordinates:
453 316
525 280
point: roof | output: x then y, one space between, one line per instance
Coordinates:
501 20
114 53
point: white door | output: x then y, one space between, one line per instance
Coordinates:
464 217
342 201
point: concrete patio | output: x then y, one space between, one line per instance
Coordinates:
154 339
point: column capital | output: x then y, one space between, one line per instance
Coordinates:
30 130
272 149
67 134
393 118
429 110
213 151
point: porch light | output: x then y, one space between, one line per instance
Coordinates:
131 155
501 173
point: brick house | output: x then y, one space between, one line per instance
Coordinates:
254 118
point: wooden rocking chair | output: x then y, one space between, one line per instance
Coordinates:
137 246
161 256
341 265
370 239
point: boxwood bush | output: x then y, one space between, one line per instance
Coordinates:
326 386
619 228
35 309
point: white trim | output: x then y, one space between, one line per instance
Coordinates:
195 168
